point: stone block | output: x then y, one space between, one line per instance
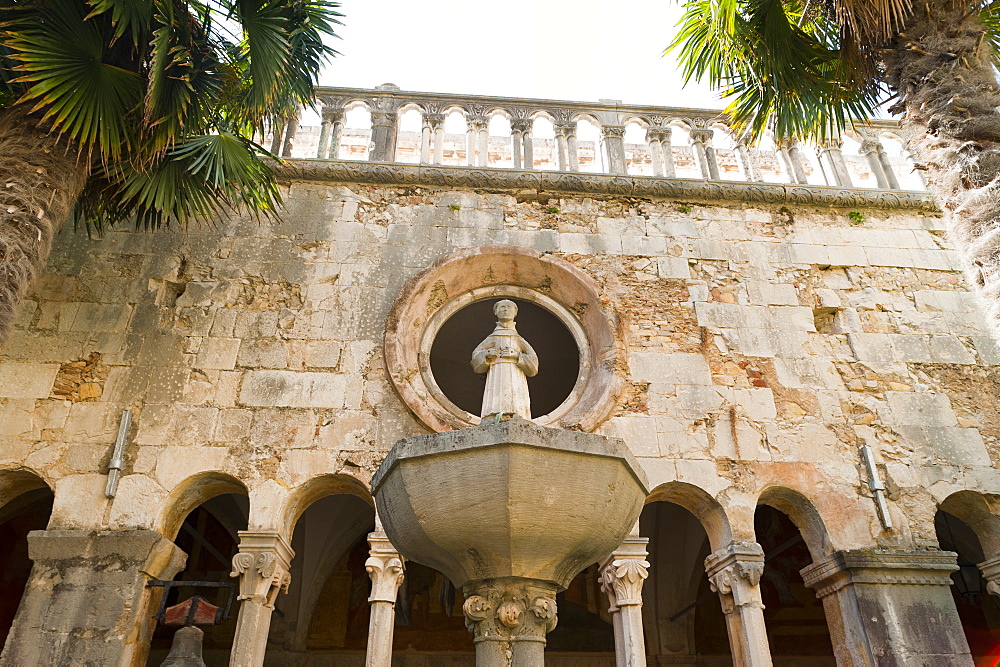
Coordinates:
872 347
294 389
757 403
947 445
918 409
949 350
638 432
664 368
910 348
263 353
696 400
25 380
988 349
218 353
673 267
752 342
771 294
847 255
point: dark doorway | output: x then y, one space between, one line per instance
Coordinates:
978 610
25 513
558 355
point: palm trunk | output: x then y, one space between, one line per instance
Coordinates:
940 66
40 179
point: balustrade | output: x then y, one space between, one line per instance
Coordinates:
713 149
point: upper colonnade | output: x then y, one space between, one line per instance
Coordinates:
381 125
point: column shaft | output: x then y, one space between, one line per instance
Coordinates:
655 151
516 139
529 152
425 142
291 126
384 132
622 576
572 156
262 565
890 175
561 150
871 149
439 144
385 568
614 144
734 573
338 134
667 153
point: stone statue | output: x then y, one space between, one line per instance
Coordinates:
508 361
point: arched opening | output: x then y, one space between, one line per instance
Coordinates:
797 631
638 161
978 610
455 141
408 135
356 140
588 145
325 612
682 153
682 617
498 143
543 137
209 535
901 163
24 512
858 166
558 354
584 634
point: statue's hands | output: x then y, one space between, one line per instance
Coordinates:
492 355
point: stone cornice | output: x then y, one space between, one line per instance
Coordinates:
391 173
879 566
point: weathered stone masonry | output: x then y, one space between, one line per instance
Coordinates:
766 343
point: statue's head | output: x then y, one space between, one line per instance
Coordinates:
505 310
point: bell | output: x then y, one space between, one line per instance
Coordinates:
186 649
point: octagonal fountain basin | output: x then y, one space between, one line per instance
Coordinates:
509 499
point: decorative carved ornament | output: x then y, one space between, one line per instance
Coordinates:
734 573
515 612
385 568
262 577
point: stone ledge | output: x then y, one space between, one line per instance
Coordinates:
881 567
391 173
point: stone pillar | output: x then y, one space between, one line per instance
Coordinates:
426 132
86 601
666 152
291 126
521 129
622 576
478 128
562 150
832 160
338 133
262 565
325 128
734 573
510 618
890 175
789 149
751 162
276 132
614 145
483 149
871 149
701 142
385 567
572 155
384 136
655 154
437 126
991 573
889 607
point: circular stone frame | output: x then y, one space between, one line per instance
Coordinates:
498 271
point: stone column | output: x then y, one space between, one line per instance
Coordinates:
384 136
325 128
789 149
750 160
385 567
734 573
991 573
338 134
666 152
262 565
890 175
701 142
86 601
426 132
614 145
562 150
483 148
832 159
521 133
510 618
889 607
622 576
655 154
437 126
871 150
477 126
276 132
291 126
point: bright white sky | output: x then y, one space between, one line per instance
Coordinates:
557 49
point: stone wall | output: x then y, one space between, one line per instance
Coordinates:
766 344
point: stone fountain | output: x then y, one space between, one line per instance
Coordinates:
508 510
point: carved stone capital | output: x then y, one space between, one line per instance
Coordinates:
332 115
608 131
623 573
262 565
734 573
565 129
513 610
871 146
787 142
383 118
991 573
702 136
385 568
879 566
478 123
434 120
829 145
522 125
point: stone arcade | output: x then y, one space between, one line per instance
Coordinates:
767 355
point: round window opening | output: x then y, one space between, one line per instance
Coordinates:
558 355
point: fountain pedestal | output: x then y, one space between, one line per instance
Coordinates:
510 512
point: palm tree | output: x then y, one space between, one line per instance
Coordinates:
142 111
807 68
